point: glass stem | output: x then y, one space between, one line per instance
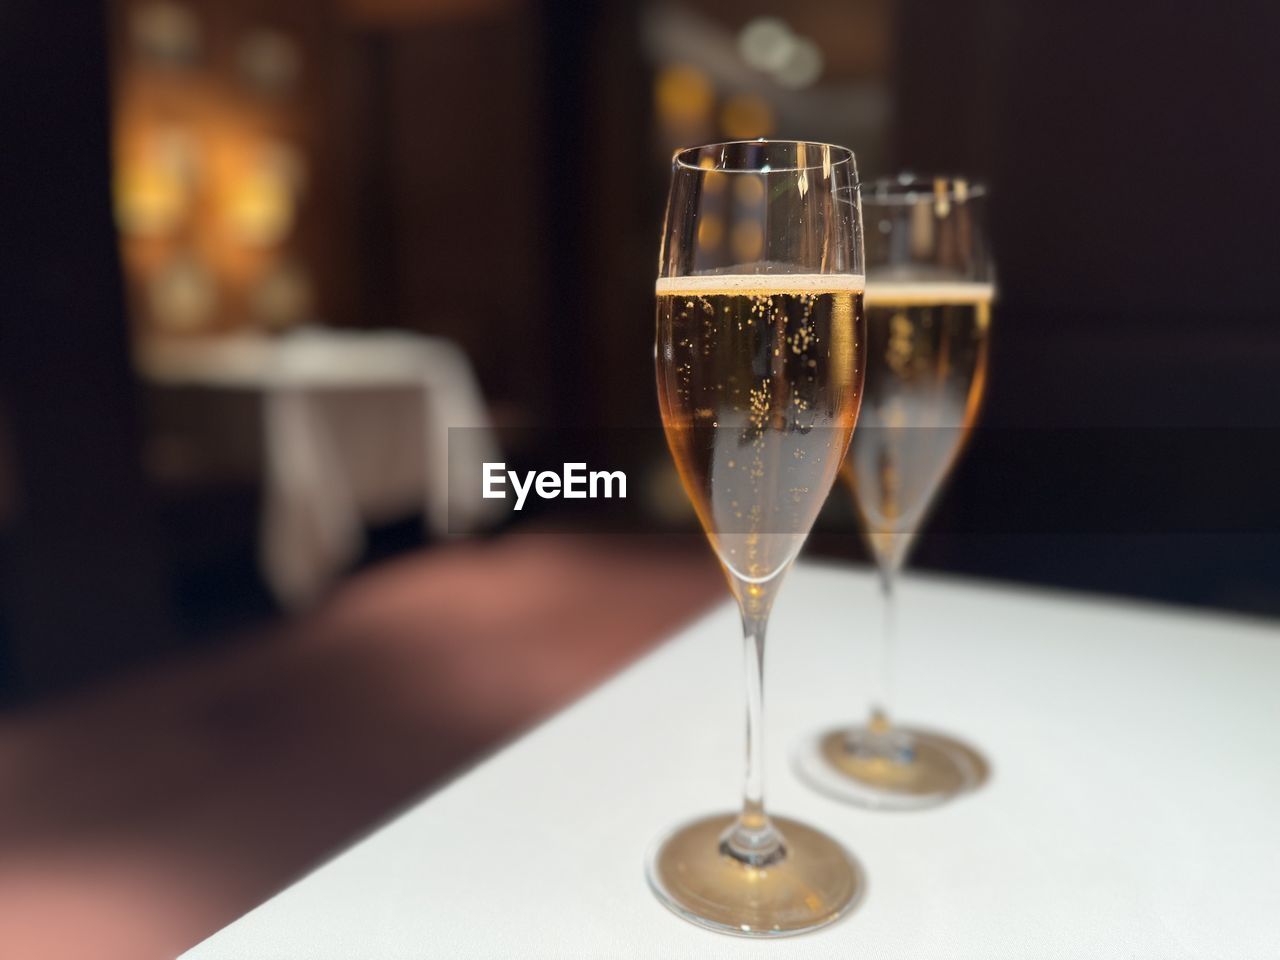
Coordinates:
752 838
879 724
883 739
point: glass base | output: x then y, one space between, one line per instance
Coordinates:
815 882
903 769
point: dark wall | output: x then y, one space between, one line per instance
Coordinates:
80 576
448 180
1128 148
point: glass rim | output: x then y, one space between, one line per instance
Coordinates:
907 188
678 158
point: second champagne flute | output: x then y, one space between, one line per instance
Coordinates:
930 286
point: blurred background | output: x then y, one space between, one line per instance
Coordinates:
259 255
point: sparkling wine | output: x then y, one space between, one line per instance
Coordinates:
926 367
759 389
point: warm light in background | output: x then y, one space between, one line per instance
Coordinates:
150 201
710 232
746 116
259 212
154 184
713 183
749 191
258 201
683 97
212 168
747 240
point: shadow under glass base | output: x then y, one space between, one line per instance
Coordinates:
816 881
923 769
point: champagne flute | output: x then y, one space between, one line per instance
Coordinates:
930 286
759 338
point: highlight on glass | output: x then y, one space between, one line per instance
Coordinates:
930 287
758 355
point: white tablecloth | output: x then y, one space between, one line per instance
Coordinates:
357 431
1133 809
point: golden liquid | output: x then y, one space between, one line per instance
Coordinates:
926 368
759 380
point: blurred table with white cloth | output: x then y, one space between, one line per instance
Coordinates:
356 432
